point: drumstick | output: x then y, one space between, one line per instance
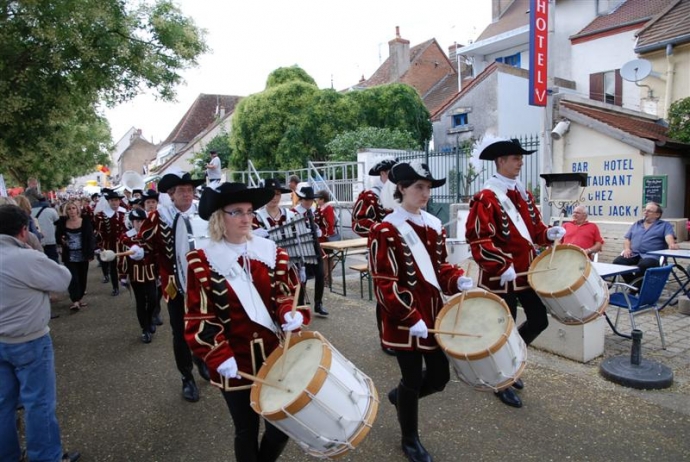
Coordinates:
446 332
289 334
553 251
254 378
462 297
525 273
109 255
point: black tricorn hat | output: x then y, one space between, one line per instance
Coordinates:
414 171
382 166
304 191
503 148
137 214
214 198
170 180
134 191
110 194
274 184
149 194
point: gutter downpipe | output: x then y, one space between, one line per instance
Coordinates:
670 72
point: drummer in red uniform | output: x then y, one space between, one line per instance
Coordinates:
238 294
503 226
408 262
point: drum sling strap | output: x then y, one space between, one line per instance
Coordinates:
419 252
510 210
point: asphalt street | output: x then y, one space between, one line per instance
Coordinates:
120 400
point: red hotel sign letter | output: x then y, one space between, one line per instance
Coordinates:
538 44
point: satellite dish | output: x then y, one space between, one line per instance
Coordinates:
636 70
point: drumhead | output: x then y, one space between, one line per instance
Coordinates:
305 370
569 270
481 313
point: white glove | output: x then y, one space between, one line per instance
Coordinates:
465 283
508 275
138 253
229 369
292 322
318 232
107 255
419 330
555 232
124 282
302 275
261 232
97 251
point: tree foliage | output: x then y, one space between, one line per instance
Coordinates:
344 146
679 120
293 121
61 58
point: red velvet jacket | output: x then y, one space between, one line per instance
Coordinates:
109 230
401 290
143 270
158 236
495 241
366 212
217 326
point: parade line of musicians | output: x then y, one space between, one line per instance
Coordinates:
230 301
240 285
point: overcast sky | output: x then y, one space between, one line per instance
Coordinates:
336 42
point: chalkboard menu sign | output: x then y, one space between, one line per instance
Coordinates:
654 189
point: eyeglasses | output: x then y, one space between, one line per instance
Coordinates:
651 211
239 213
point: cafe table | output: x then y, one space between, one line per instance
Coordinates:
680 274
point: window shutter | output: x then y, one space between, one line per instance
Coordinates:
618 98
596 86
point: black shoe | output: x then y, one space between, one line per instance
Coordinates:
71 456
157 321
152 328
190 392
388 351
115 292
105 279
518 384
393 396
203 369
146 337
509 397
318 309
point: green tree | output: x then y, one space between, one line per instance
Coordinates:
61 58
344 146
679 120
292 120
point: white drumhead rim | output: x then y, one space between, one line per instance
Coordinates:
448 310
535 279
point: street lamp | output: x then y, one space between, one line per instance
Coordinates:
565 189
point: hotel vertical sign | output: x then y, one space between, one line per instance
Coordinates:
538 45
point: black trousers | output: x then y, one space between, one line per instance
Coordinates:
319 283
246 423
535 312
643 263
146 296
432 380
183 355
77 285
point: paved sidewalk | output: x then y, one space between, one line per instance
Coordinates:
119 399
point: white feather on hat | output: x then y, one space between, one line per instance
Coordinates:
487 140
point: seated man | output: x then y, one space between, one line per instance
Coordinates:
646 235
583 233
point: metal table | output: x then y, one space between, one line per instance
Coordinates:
340 250
679 273
611 270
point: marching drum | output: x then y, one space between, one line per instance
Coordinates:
328 405
458 251
188 234
569 285
494 356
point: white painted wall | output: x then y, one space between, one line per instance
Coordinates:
515 115
602 55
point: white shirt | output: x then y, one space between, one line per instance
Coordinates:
214 173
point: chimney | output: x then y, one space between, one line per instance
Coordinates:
453 55
399 52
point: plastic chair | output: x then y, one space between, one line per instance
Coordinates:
647 299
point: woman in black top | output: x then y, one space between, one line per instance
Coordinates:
74 233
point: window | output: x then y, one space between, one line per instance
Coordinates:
512 60
460 120
606 87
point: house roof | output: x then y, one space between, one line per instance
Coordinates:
201 114
515 16
669 26
640 126
628 15
440 93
